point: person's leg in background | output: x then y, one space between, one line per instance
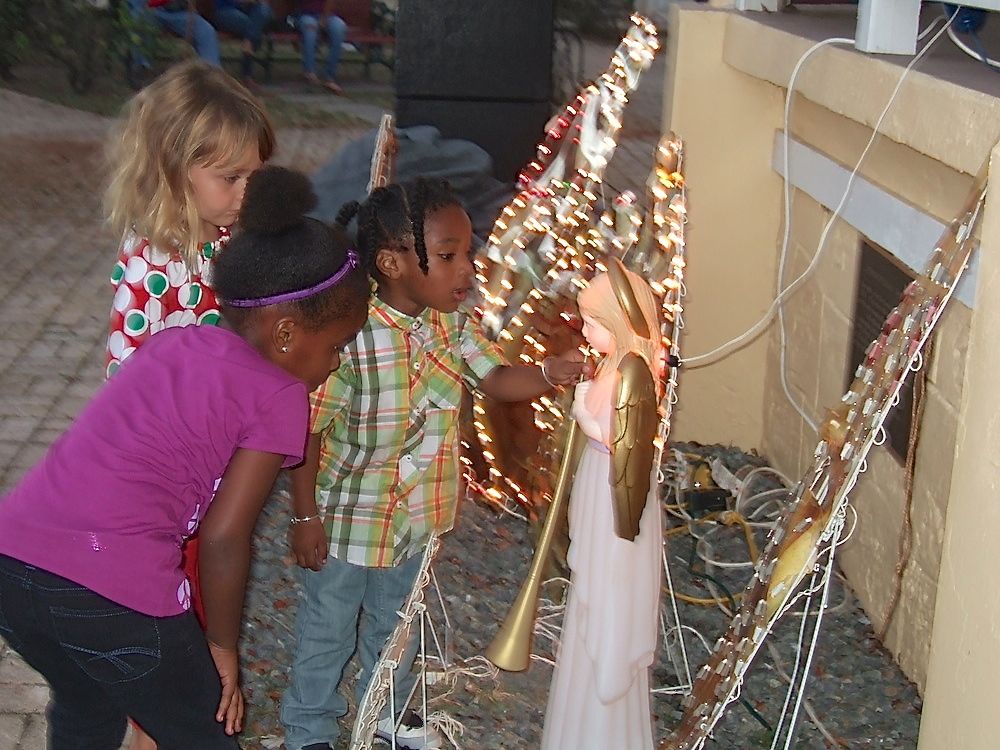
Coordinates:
336 32
140 11
308 26
193 27
247 22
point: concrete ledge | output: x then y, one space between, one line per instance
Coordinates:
943 109
906 232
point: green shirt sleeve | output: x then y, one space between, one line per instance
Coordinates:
479 353
331 399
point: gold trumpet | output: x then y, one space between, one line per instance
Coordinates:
511 647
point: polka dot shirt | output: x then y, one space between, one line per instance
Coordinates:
155 290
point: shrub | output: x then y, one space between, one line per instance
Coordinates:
87 36
13 34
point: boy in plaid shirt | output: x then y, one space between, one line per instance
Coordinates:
382 469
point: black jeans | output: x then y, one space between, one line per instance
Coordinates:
105 662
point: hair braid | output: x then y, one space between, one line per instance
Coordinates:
369 235
417 211
346 213
393 214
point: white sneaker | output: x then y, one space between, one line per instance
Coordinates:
411 734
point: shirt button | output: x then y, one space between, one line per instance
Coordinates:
416 325
416 365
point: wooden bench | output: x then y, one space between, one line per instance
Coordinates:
361 33
357 14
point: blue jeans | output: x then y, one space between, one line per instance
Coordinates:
203 36
246 21
336 32
105 662
345 607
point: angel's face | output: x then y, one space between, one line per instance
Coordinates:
599 337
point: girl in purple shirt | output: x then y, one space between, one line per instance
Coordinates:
189 435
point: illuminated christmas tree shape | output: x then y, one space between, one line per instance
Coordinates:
547 243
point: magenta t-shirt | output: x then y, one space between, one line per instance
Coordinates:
113 498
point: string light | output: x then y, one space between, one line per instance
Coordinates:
548 233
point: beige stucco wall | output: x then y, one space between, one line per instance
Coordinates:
818 324
961 695
727 133
724 98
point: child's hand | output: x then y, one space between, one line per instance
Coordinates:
568 368
227 663
309 544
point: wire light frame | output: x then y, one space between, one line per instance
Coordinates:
546 243
804 541
380 690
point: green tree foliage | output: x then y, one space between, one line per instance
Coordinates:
86 36
13 36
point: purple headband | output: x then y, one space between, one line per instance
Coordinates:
349 265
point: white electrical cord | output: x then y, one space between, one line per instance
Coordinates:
777 305
760 325
971 52
931 25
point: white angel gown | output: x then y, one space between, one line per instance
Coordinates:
599 699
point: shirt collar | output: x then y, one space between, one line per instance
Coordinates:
393 318
210 249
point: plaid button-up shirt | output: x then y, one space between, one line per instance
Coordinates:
389 462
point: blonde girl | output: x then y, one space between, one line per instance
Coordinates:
179 165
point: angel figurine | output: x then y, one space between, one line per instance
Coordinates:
600 689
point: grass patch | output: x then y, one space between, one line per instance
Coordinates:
289 114
43 79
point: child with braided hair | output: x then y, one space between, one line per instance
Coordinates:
382 464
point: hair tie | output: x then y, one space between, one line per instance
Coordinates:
349 265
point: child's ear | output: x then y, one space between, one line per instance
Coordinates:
388 263
283 336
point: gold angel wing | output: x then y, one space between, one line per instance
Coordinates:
633 427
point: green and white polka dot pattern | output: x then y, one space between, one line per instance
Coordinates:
156 290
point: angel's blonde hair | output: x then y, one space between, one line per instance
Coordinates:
599 303
192 115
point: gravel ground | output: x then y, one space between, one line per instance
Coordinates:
855 689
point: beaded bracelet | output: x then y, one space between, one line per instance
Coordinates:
293 520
